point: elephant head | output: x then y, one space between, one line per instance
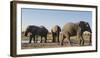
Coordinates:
28 30
31 29
84 26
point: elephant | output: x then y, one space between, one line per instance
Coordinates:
72 29
36 31
55 33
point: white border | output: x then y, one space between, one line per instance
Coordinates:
50 50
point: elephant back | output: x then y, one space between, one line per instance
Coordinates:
42 30
70 27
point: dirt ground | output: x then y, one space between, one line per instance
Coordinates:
26 45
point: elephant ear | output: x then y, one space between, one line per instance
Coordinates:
82 25
88 26
59 29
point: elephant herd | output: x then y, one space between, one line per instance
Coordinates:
68 30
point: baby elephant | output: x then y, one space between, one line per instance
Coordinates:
72 29
55 33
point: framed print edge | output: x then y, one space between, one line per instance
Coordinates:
13 29
96 28
13 14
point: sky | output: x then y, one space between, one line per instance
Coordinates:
52 17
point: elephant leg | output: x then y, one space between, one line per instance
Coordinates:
45 39
53 37
68 39
81 41
58 37
34 39
41 39
80 38
30 39
62 40
90 40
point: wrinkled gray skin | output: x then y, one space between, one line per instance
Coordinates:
55 33
72 29
43 33
36 31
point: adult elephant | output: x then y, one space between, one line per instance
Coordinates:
55 33
36 31
72 29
